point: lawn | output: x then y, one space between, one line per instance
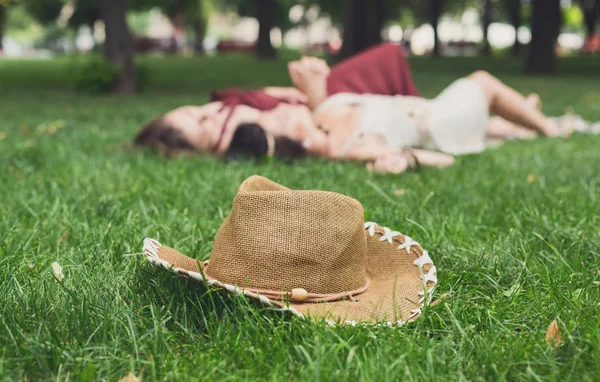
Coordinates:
514 233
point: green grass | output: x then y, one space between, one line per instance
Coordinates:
513 255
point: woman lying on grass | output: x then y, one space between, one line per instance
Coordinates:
285 112
365 109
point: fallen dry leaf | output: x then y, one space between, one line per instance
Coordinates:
401 191
440 299
530 178
64 236
57 271
553 336
130 378
50 127
597 282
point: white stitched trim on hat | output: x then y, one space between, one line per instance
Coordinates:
426 294
151 247
408 244
423 260
388 235
415 313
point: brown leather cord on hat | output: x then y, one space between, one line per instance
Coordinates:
310 297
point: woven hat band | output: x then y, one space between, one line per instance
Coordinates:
302 295
281 241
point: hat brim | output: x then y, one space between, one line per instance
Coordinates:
401 282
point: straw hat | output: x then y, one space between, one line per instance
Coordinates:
310 253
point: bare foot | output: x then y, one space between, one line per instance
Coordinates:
395 163
567 125
534 101
559 127
432 158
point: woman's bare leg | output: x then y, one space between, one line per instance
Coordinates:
512 106
499 127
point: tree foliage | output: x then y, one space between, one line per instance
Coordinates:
45 12
193 9
247 8
2 25
86 12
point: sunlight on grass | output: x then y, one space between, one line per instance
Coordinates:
514 233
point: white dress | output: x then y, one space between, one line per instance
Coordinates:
454 122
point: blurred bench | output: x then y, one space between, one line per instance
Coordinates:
231 46
154 45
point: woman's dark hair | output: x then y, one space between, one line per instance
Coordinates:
251 141
160 136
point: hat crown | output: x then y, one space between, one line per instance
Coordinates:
279 239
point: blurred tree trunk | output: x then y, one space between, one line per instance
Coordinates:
178 20
199 24
545 26
199 33
362 20
265 13
118 46
513 8
591 12
486 20
376 21
435 12
2 26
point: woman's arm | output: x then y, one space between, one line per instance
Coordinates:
366 148
382 158
286 94
397 163
379 156
310 76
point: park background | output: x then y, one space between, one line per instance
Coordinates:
514 231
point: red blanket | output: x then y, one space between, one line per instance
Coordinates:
382 69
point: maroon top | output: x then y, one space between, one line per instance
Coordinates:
382 70
257 99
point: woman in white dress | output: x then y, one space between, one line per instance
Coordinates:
393 133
